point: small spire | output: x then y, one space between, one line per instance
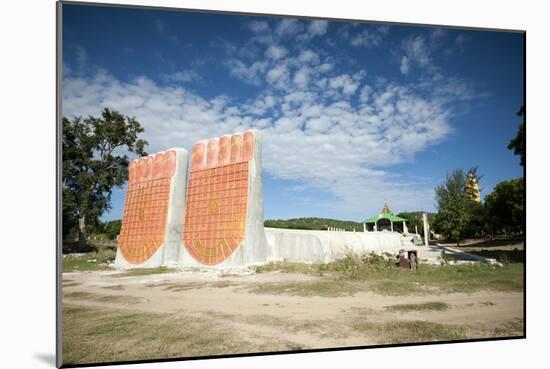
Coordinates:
386 209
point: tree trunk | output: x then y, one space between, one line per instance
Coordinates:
82 232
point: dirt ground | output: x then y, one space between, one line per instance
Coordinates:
263 319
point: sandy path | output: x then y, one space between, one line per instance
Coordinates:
304 321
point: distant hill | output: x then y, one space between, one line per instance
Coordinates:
413 217
314 224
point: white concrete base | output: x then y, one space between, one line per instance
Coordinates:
322 246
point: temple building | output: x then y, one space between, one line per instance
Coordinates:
384 221
472 187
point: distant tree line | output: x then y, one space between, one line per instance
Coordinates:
108 230
414 219
313 224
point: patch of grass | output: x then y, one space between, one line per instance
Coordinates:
410 331
92 335
116 287
176 287
186 286
288 267
144 271
428 306
510 328
120 299
471 277
71 284
487 303
395 288
85 262
382 276
79 295
323 288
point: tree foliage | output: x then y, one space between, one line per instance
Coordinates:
94 162
453 204
518 143
478 224
109 229
414 218
505 206
313 224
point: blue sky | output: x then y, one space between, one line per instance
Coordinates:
351 114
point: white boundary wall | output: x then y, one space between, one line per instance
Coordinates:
324 246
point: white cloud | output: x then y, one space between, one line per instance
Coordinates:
345 83
404 66
308 56
249 73
183 76
301 78
317 27
258 26
369 36
159 26
325 67
261 105
365 91
334 132
289 27
328 145
366 39
417 51
275 52
278 76
437 34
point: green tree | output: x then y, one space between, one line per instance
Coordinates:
414 218
94 163
478 222
505 206
453 204
518 143
112 228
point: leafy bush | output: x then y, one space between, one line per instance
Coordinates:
504 259
105 255
354 265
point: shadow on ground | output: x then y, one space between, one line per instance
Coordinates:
512 256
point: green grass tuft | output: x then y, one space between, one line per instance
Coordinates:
144 271
91 261
435 306
411 331
382 276
323 288
92 335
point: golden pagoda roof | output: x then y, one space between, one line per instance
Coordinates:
386 209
